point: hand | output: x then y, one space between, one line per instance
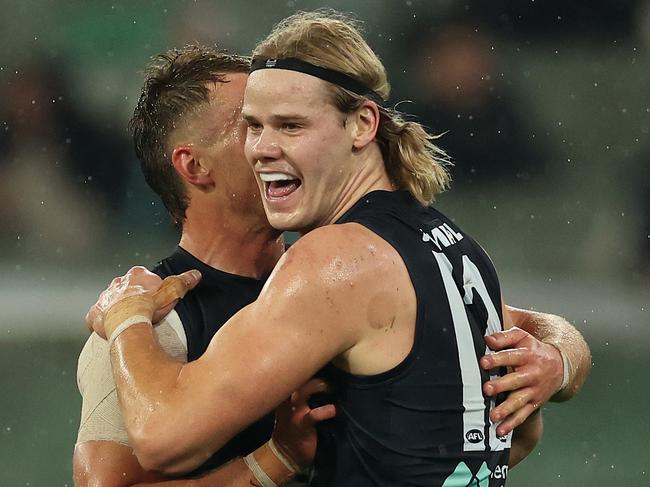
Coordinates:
294 432
536 375
160 296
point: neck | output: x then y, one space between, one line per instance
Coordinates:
245 245
371 176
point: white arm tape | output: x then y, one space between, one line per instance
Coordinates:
257 471
133 320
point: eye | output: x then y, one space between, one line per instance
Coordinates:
253 126
291 126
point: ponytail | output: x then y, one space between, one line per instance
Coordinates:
413 161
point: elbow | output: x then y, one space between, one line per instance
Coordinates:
157 448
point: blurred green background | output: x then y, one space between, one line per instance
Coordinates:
561 199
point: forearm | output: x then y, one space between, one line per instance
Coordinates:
558 332
146 379
232 474
265 466
525 438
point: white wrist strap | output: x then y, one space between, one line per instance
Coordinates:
285 461
566 370
258 473
133 320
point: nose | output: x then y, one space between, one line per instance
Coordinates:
265 147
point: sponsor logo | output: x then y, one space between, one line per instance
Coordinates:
270 63
474 436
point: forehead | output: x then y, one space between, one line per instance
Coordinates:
224 105
281 90
228 94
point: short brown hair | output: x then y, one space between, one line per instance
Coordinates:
333 40
176 83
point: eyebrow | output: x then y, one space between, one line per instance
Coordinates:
276 118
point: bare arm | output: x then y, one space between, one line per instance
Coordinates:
525 438
111 464
108 464
177 415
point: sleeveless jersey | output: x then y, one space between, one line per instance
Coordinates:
203 311
424 422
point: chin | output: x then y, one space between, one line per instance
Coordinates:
284 222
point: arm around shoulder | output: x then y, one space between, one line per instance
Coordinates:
260 356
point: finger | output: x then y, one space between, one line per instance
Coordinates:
505 339
309 388
175 287
322 413
513 402
509 382
505 358
516 419
91 316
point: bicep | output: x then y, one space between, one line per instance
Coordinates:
253 363
266 351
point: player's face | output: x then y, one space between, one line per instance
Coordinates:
224 134
300 147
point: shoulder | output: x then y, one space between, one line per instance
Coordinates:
337 273
339 255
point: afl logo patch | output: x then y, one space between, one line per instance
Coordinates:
270 63
474 436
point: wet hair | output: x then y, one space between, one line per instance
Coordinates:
176 84
333 40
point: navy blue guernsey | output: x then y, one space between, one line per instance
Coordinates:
424 422
203 311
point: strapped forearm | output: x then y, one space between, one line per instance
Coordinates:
264 467
558 332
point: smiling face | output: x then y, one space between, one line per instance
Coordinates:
300 147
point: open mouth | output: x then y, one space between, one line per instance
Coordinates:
279 185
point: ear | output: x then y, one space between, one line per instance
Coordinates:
186 162
366 124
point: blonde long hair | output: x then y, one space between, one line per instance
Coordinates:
333 40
